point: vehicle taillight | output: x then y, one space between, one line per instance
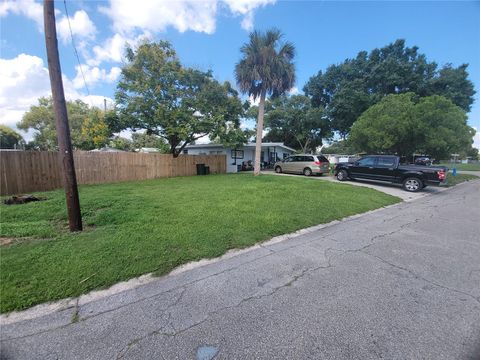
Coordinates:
441 175
317 163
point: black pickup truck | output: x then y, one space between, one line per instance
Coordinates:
388 168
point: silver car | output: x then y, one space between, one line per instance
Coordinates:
305 164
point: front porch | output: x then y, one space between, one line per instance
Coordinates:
244 158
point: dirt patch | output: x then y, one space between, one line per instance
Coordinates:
22 199
6 241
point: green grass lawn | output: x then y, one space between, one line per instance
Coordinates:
459 178
464 167
153 226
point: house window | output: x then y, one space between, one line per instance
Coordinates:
185 151
237 154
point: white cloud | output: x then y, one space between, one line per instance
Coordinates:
28 8
246 8
82 27
294 91
254 101
95 100
156 16
113 49
476 139
203 140
93 75
247 22
23 80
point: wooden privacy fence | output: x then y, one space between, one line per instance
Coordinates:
29 171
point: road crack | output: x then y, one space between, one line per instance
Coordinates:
209 315
419 277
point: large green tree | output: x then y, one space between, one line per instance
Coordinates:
88 127
10 139
95 132
293 121
41 119
180 104
347 89
405 124
266 68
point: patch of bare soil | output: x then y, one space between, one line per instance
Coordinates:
6 241
22 199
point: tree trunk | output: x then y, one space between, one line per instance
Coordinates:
258 140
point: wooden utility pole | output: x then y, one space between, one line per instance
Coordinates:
63 131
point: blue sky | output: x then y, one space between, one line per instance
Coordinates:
208 35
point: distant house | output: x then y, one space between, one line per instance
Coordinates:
106 149
242 155
335 159
147 150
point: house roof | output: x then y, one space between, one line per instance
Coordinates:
248 145
147 150
107 149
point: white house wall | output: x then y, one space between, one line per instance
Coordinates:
248 154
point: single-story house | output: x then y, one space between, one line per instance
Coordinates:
335 158
107 149
240 157
147 150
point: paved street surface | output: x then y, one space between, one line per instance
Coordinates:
398 283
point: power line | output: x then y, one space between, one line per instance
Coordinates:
76 52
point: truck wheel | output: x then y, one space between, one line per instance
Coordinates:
342 175
412 184
278 170
307 171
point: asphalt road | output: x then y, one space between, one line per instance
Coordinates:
398 283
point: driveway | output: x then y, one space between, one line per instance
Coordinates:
398 283
391 189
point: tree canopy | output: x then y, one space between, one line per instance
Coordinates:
266 67
405 124
10 139
341 147
347 89
158 94
293 121
95 132
144 140
88 128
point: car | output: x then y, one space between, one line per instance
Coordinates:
306 164
423 161
388 168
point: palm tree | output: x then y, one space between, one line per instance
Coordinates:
265 68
